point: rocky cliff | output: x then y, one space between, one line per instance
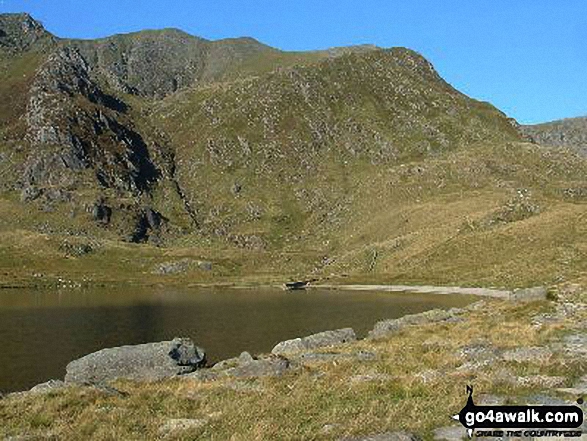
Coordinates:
571 133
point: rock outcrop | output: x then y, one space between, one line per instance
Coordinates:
150 361
20 32
76 129
320 340
385 328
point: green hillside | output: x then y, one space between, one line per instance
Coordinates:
123 154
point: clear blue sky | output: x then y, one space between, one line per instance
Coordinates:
527 57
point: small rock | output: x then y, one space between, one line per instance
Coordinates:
477 306
429 375
173 427
450 433
529 294
245 357
576 344
504 377
482 351
327 428
268 367
322 339
535 354
490 400
177 267
48 386
546 381
205 266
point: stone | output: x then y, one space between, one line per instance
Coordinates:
245 357
333 357
529 294
173 427
48 386
450 433
546 381
205 266
388 327
388 436
320 340
177 267
479 351
535 354
490 400
150 361
477 306
576 344
272 366
429 375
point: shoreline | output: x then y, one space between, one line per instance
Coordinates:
499 293
421 289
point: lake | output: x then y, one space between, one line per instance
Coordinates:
41 331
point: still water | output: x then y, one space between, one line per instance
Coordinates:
42 331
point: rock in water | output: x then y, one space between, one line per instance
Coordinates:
150 361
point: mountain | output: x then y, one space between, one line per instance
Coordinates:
571 133
359 162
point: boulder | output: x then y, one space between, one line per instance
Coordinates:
175 267
388 327
48 386
244 366
529 294
320 340
150 361
272 366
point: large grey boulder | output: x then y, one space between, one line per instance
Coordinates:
150 361
385 328
320 340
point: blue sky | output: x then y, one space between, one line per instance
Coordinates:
527 57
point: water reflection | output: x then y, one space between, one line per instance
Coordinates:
41 331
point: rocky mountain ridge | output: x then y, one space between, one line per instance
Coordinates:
322 161
570 132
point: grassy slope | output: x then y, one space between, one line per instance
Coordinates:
456 219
